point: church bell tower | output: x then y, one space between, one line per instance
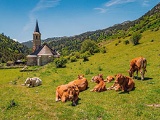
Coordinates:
36 38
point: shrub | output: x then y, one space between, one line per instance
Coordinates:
135 38
89 45
73 59
60 62
100 68
126 42
103 50
116 44
85 57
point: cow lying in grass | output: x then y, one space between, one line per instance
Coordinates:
81 82
124 83
109 79
101 85
67 93
33 82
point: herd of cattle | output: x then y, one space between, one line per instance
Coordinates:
70 91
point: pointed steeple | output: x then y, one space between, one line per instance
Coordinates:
36 38
37 27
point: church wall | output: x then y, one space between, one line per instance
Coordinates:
46 59
31 61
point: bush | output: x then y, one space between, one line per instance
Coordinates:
126 42
60 62
100 68
85 57
135 38
103 50
73 59
89 45
116 44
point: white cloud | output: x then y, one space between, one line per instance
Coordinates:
41 5
112 3
102 10
145 3
116 2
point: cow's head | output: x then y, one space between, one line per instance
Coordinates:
73 92
130 72
80 76
28 81
97 78
119 79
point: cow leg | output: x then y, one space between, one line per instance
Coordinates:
129 89
137 74
63 98
57 97
142 74
74 102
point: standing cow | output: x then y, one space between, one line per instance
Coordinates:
138 64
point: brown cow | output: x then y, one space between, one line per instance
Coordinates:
125 83
109 79
67 92
101 85
138 64
81 82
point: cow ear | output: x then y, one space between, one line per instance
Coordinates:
115 75
100 75
121 76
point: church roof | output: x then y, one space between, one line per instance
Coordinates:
36 52
36 27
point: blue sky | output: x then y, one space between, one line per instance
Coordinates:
59 18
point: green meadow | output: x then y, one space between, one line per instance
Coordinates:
18 102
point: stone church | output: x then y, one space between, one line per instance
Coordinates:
41 54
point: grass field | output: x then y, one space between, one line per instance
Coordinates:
38 103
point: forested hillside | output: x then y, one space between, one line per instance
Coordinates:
149 21
11 50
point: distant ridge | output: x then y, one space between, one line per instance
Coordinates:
149 21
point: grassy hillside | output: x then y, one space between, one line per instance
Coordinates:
39 102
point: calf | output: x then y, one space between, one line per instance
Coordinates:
101 85
138 64
67 92
109 79
33 82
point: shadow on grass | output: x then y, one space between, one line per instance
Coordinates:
145 79
126 92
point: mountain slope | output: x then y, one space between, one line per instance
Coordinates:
11 50
149 21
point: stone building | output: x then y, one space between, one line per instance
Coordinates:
41 54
